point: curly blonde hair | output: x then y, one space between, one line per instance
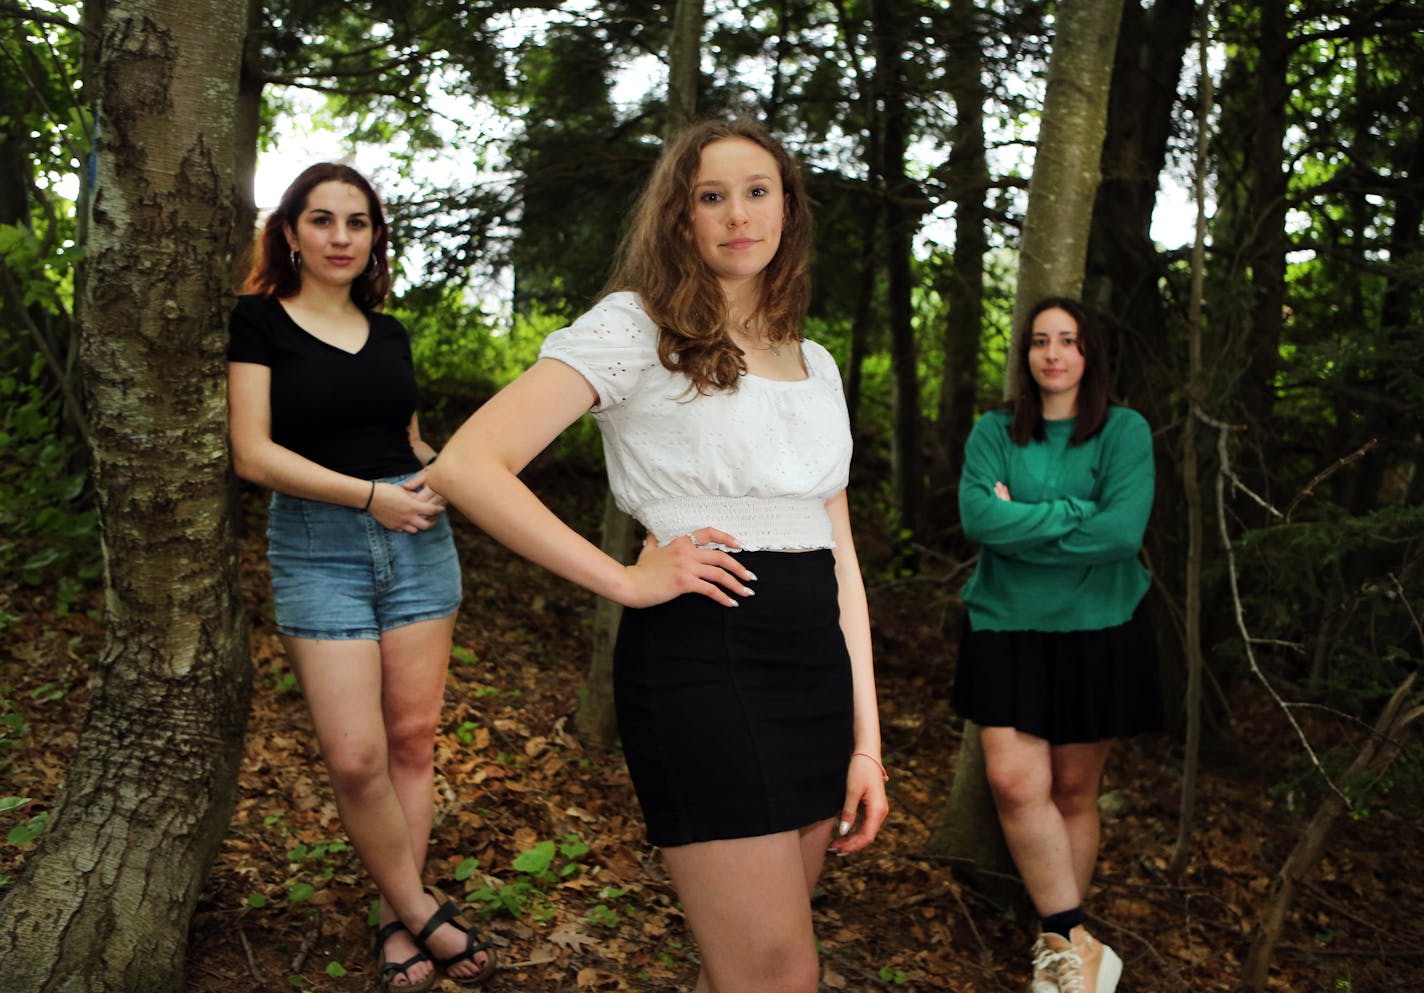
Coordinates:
658 260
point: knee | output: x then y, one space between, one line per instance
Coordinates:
792 970
1015 787
411 738
1074 798
356 767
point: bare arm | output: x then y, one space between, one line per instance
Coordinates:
478 472
865 786
256 457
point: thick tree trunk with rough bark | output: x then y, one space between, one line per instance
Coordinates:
104 902
1054 249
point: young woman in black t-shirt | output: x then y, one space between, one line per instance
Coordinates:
365 579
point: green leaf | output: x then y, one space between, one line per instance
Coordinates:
335 970
536 860
300 892
12 802
257 901
31 829
465 868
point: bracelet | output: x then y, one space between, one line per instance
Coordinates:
884 776
369 497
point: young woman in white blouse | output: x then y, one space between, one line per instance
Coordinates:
743 678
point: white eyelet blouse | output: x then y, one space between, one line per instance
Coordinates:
758 462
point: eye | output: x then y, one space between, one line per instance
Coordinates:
709 196
759 191
357 222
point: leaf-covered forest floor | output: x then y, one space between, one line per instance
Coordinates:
286 904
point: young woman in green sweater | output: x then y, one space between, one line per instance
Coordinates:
1057 659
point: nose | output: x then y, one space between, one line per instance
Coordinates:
340 234
736 213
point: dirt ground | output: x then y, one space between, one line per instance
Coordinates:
577 901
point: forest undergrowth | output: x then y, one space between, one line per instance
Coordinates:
544 837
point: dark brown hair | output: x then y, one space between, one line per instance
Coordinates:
1093 398
273 272
658 260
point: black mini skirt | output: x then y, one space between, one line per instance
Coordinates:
737 721
1067 687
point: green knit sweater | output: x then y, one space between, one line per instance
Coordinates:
1061 553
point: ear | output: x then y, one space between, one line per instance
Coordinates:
291 236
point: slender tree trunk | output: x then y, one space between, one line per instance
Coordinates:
1191 480
103 903
900 221
963 286
595 720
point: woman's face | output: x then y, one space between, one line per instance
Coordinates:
737 210
1054 358
334 233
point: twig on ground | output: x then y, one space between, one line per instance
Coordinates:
252 966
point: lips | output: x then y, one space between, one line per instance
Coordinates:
740 244
340 259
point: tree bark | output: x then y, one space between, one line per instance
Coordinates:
962 289
900 221
1066 165
104 901
1051 261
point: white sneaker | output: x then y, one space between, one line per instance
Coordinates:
1085 965
1045 968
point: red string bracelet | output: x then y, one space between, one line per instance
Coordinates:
884 776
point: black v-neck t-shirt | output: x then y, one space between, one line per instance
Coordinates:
348 412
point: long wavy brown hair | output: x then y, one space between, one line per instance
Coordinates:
658 260
273 271
1094 396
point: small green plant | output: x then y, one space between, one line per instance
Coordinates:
463 655
539 872
893 976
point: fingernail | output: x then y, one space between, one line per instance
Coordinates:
733 603
845 826
748 591
751 576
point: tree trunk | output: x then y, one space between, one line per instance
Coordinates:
1124 267
1191 484
1051 261
962 288
104 902
900 221
596 721
1054 250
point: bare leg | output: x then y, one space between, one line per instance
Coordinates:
343 683
1077 776
1020 773
748 901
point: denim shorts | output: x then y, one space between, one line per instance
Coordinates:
339 574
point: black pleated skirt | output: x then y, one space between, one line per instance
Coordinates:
737 721
1066 687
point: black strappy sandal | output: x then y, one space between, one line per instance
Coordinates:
390 970
449 913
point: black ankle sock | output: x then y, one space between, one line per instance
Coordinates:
1064 922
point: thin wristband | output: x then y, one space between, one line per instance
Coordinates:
370 496
884 776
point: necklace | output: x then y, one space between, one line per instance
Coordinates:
771 346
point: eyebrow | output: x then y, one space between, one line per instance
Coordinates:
723 182
324 210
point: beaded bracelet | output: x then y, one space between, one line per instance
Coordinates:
884 776
370 496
